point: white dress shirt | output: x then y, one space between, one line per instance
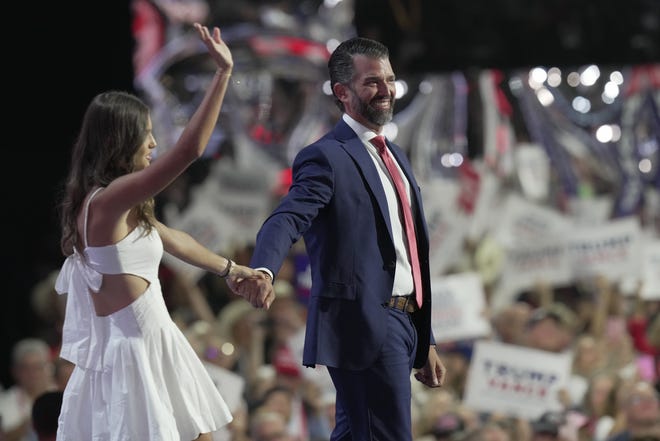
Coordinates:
403 280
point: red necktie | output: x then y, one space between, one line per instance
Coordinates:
379 143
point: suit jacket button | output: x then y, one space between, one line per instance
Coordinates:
391 265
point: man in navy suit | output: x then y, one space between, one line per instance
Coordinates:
363 323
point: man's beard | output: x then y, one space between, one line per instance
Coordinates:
373 115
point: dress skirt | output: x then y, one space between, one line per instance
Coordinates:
152 385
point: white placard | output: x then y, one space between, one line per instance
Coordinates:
533 169
612 249
651 271
446 224
487 207
591 211
527 265
516 380
459 308
523 222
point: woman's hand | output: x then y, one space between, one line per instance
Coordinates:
216 47
245 272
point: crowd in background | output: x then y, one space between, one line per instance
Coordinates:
252 355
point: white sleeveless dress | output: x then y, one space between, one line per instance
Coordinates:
136 378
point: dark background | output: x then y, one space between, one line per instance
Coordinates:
460 34
58 55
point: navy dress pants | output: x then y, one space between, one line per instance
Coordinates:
375 404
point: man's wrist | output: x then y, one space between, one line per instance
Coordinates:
267 272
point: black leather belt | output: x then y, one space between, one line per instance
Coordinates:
403 303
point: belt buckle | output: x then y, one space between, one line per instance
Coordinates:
403 303
404 307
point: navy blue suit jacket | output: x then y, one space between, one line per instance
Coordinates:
337 204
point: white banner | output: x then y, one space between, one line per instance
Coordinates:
446 225
651 271
525 266
590 211
459 308
515 380
533 170
523 222
612 249
488 204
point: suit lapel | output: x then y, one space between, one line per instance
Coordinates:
354 147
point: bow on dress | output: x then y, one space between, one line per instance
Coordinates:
83 332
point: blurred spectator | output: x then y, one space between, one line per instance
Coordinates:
600 405
239 428
32 369
218 351
285 320
562 426
299 400
456 358
218 357
550 328
433 406
445 428
639 406
244 326
319 408
609 326
589 355
45 414
644 326
519 429
49 307
288 379
510 322
279 399
546 427
268 425
487 432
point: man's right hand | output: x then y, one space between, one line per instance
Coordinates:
259 292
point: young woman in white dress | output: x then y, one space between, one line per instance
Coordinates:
136 375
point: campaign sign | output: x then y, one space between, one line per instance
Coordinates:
525 222
459 308
613 249
651 271
515 380
446 225
538 261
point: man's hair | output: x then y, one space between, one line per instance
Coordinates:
340 64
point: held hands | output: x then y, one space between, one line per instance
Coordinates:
256 288
433 373
239 272
216 47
